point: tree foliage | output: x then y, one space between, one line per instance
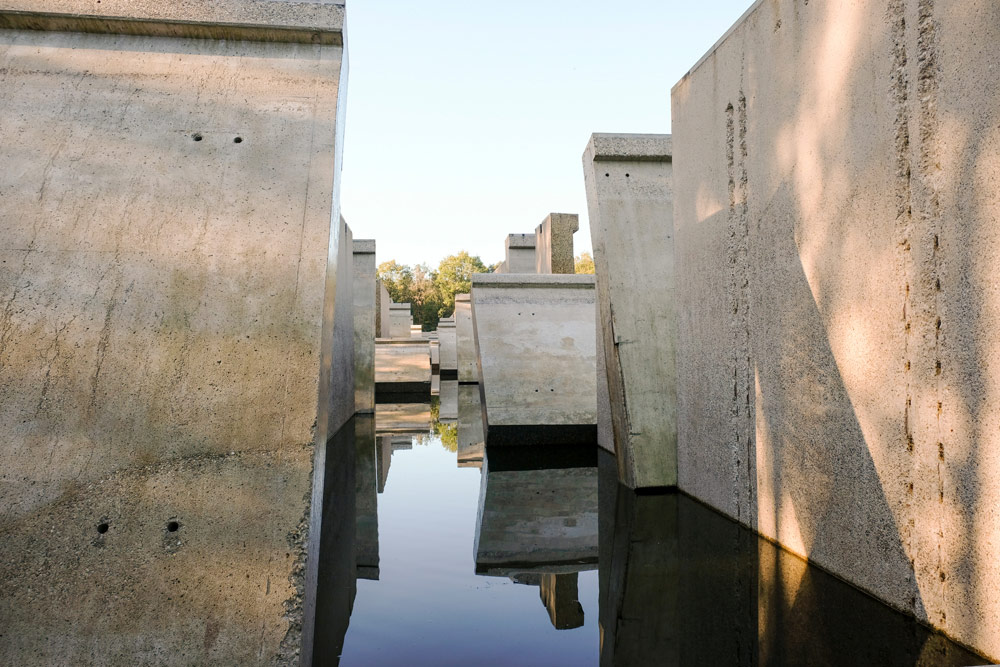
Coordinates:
430 293
584 263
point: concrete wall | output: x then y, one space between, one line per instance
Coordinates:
536 351
400 320
166 308
554 243
402 365
630 200
468 371
520 253
837 242
448 408
448 337
471 441
382 319
365 291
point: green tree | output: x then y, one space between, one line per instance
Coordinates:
584 263
454 276
398 280
426 298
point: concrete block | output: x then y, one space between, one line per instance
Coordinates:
520 253
365 291
400 320
836 246
417 331
471 441
436 384
167 327
403 418
630 200
448 335
382 317
402 366
465 340
448 410
554 243
435 357
537 357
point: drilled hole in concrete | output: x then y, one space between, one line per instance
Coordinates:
196 136
238 140
172 526
607 175
626 175
102 528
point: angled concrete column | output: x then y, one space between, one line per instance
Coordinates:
382 317
400 320
471 441
837 248
365 291
536 351
468 371
448 335
168 363
554 243
630 199
520 253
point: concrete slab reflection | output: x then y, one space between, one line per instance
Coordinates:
366 498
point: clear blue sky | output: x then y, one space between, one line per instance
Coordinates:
467 119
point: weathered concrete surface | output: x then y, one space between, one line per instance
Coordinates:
448 409
465 341
837 242
519 252
471 441
630 200
554 243
382 319
166 328
365 291
448 337
402 365
400 320
435 357
536 520
605 431
403 418
537 357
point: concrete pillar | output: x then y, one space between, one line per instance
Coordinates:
630 199
520 253
536 352
465 342
561 597
382 317
399 320
554 243
448 335
837 249
167 323
365 308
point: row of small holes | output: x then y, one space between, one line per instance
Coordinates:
197 136
609 175
172 526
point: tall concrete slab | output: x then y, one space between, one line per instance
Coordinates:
448 336
365 308
836 247
400 320
519 253
471 440
167 324
554 243
630 200
465 341
382 317
536 350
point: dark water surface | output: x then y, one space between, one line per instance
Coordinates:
427 563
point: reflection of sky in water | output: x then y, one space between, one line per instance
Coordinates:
429 607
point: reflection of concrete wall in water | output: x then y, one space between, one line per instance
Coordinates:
365 307
165 318
630 200
366 484
448 411
471 443
536 348
683 585
837 249
561 598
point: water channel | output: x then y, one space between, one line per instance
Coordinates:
438 551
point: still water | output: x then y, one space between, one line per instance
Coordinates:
436 552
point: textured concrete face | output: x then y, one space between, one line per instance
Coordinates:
382 318
465 342
400 320
837 242
402 365
471 441
448 336
554 243
448 410
403 417
537 356
520 254
365 291
167 312
630 198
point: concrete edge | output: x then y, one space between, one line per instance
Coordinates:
463 297
364 246
526 240
715 47
403 341
575 280
605 147
196 25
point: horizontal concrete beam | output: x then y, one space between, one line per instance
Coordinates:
520 240
629 148
248 20
364 246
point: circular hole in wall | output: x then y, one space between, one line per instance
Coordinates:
172 526
102 528
238 140
197 136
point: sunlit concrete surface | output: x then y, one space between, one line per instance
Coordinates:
554 243
448 337
471 441
365 291
166 324
402 365
468 371
535 344
837 242
382 317
519 254
630 199
448 410
400 320
413 418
